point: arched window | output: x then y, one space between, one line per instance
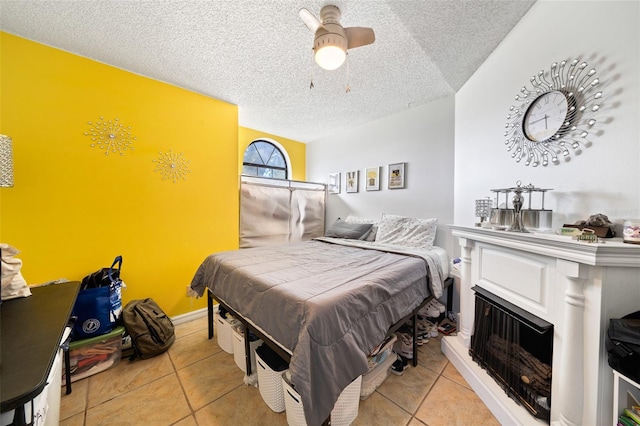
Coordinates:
264 159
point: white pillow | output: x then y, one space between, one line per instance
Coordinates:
13 284
371 236
407 231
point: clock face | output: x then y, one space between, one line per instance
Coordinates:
545 116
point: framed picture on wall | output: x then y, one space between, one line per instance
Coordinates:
372 178
334 183
396 176
352 181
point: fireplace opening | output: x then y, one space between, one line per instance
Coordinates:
515 347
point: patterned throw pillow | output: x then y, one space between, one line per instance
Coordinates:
407 231
371 236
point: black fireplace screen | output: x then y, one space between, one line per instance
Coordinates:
515 348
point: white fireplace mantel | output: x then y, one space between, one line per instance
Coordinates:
576 286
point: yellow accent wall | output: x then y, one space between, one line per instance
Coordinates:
296 150
73 208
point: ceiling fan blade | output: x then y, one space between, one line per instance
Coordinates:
359 36
309 20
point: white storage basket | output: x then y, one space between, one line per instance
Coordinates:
238 350
374 378
223 331
270 385
346 409
343 414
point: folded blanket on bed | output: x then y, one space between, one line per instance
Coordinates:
436 258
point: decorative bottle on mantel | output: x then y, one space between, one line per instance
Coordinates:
517 224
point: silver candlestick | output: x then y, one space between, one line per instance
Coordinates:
517 224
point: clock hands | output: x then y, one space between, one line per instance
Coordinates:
545 118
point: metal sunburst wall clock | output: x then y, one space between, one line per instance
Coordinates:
110 135
555 114
172 166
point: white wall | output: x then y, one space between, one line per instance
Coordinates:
422 137
605 178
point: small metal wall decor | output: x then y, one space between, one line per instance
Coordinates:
554 116
171 166
110 135
6 162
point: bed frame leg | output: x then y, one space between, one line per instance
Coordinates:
247 349
415 339
210 313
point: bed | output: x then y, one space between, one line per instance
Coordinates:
326 302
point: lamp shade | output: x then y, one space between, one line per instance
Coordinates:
6 162
483 208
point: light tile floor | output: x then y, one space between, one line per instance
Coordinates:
196 383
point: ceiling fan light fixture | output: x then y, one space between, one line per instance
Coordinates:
331 39
330 57
330 48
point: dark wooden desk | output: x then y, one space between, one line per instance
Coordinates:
32 328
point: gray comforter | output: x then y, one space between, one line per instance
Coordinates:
328 304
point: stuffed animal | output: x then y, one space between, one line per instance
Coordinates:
599 220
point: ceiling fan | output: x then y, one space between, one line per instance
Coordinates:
331 40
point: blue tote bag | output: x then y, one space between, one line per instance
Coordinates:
99 302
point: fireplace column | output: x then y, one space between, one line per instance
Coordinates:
467 302
571 369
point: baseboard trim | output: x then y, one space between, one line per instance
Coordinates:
190 316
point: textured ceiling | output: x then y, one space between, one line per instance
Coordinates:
257 53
